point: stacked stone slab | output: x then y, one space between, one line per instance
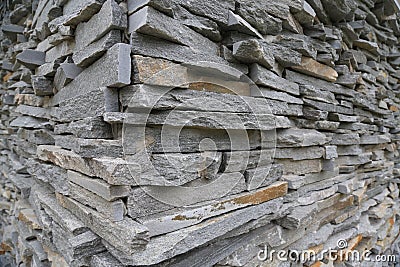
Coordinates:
197 133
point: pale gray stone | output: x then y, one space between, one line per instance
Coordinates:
330 152
90 148
214 120
213 9
235 22
134 237
374 139
104 260
312 152
76 12
306 15
60 51
47 69
169 245
156 47
310 92
91 128
237 161
62 216
299 216
31 122
299 138
254 13
345 139
36 112
112 210
99 187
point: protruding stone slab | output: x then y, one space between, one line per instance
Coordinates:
126 235
112 70
264 77
311 67
300 137
31 58
175 220
152 22
89 54
99 187
93 103
112 210
110 17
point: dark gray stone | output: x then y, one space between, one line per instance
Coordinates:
251 51
264 77
254 13
152 22
112 70
93 103
110 17
339 10
42 86
89 54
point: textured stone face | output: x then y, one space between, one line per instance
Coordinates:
198 132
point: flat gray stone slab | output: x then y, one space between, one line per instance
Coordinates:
31 58
112 70
110 17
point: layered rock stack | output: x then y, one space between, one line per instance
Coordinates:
198 132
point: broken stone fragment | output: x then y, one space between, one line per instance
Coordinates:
339 10
251 51
367 45
256 15
135 236
300 138
42 86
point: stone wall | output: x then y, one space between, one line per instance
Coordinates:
198 132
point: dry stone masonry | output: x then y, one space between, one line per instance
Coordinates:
198 132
